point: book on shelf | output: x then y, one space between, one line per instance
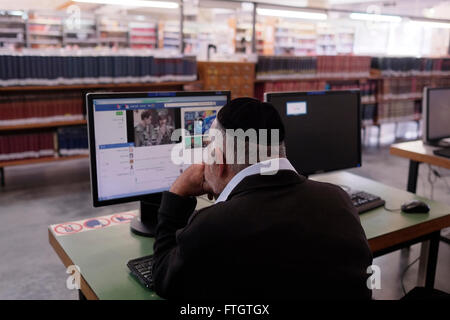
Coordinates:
280 86
37 108
277 68
409 66
397 111
343 66
73 141
91 67
368 88
26 145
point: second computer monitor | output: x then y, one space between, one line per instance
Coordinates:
323 131
436 112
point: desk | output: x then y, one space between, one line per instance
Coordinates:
102 254
417 152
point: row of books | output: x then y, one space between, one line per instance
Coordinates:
19 109
404 88
64 68
442 82
343 66
275 67
73 141
395 66
368 89
368 114
271 67
280 86
395 111
26 145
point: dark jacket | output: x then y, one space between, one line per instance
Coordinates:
277 236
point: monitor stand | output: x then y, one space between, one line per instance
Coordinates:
145 223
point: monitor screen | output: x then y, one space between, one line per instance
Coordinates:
322 129
438 113
131 139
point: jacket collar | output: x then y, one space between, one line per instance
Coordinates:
268 167
258 181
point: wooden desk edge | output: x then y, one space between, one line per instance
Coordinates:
420 157
400 236
85 288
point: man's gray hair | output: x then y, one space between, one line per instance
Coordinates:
271 151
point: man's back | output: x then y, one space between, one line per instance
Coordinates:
276 237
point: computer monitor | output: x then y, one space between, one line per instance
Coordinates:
323 129
436 115
130 143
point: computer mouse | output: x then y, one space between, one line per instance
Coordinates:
415 206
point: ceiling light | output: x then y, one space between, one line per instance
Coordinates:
292 14
134 3
374 17
431 24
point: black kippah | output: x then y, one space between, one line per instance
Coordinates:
249 113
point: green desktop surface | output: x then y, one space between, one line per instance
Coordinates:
102 254
378 222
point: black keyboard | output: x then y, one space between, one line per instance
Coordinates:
364 201
141 268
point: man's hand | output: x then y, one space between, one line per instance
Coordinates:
191 182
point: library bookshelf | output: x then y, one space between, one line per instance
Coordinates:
79 91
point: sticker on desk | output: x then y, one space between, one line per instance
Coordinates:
92 223
122 217
97 223
67 228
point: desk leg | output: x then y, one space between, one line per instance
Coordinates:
2 176
412 176
428 261
81 296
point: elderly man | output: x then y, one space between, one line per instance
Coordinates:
267 236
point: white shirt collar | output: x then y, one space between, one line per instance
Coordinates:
268 167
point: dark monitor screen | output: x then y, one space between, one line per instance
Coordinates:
322 129
437 113
131 142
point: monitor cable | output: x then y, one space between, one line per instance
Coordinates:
392 210
404 273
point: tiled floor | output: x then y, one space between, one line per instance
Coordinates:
39 195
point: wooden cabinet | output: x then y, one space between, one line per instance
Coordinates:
238 77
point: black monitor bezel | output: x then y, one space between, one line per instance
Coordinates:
427 117
151 197
269 95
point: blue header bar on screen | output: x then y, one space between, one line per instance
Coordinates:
158 103
116 145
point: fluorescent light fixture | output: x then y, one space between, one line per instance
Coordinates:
222 11
292 14
134 3
16 13
431 24
374 17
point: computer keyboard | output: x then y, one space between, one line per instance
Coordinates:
364 201
141 268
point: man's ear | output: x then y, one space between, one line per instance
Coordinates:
221 168
220 165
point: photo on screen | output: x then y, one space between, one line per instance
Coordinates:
197 122
153 127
